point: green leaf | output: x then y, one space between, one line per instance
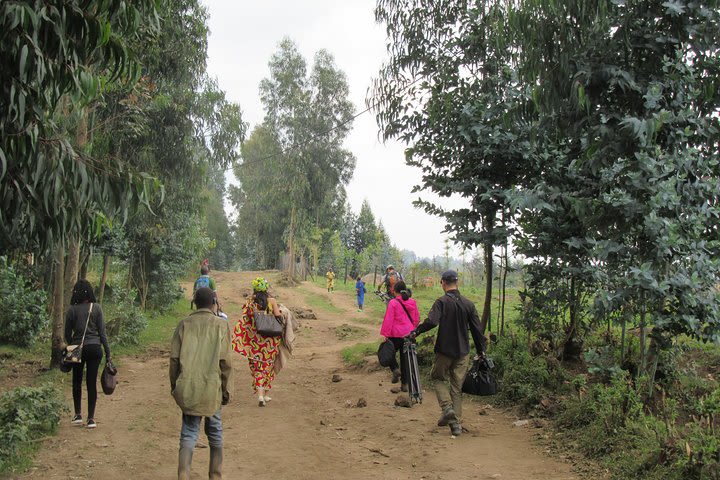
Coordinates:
23 60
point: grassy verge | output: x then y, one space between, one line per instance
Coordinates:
355 354
319 302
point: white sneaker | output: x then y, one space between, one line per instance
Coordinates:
77 420
267 398
261 401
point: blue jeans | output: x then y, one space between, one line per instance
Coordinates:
191 430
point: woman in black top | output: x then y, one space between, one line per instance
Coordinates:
75 319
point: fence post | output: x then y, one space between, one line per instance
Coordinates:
375 276
345 279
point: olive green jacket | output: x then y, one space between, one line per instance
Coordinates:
200 363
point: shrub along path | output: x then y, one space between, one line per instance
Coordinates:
311 429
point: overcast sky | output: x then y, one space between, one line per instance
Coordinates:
243 36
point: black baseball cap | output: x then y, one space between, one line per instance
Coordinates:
449 276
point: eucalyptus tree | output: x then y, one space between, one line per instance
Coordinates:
640 173
308 115
608 109
54 58
447 92
187 131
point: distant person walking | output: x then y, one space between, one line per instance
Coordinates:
401 318
85 318
330 275
260 351
360 291
204 281
389 280
454 315
199 375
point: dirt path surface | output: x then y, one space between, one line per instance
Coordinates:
310 430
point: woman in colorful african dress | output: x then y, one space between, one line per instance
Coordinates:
260 351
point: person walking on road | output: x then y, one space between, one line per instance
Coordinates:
389 280
401 318
260 351
330 275
454 315
200 371
204 280
84 324
360 291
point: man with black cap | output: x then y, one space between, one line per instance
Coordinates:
454 315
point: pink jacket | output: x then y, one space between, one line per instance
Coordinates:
396 323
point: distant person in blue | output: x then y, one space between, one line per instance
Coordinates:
360 290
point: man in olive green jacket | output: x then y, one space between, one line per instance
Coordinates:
199 375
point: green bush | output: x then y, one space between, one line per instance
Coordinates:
23 308
125 320
26 414
523 379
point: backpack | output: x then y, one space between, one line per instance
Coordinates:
202 281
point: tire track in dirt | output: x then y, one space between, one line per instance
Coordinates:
310 430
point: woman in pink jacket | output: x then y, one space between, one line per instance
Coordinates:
401 318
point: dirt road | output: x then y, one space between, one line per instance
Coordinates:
311 429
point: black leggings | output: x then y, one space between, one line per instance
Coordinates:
91 356
398 342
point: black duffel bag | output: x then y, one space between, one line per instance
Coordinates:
386 353
480 379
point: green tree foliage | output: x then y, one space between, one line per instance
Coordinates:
186 134
588 125
469 127
55 57
295 167
22 306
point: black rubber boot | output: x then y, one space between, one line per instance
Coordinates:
184 462
216 459
447 417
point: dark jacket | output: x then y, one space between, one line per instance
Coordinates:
75 326
454 315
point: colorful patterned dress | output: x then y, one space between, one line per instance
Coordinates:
260 351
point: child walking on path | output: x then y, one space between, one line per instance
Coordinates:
360 291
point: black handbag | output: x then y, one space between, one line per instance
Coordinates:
386 353
267 324
480 379
108 379
72 355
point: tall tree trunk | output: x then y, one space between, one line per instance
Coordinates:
58 314
485 319
84 262
625 314
291 244
504 288
72 268
103 278
643 342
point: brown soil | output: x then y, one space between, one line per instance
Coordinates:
312 429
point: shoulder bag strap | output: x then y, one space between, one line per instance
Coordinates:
406 311
86 325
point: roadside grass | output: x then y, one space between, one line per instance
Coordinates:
355 354
319 302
